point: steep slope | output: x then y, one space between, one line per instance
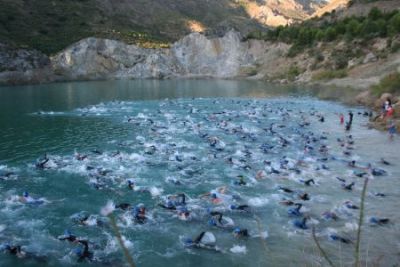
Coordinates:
51 25
332 5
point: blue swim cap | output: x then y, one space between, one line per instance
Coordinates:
373 220
188 241
4 246
212 222
25 194
237 230
78 251
213 195
232 207
182 209
67 232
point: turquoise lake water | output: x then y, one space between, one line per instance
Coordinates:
191 137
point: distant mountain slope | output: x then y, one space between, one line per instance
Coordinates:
50 25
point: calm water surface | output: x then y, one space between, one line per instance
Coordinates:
157 134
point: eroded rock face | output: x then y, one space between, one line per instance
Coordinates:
22 66
193 56
219 57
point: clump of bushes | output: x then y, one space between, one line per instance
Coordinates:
389 84
376 24
293 72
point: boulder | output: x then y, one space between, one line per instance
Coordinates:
370 57
385 96
365 98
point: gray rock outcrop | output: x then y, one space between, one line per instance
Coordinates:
23 66
193 56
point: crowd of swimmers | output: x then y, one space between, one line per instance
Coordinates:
218 202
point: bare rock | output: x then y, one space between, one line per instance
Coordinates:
385 96
365 98
370 57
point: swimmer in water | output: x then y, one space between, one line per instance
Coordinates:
286 202
83 253
301 224
174 201
80 157
304 197
17 251
309 181
344 240
241 180
183 213
203 240
216 218
385 162
42 162
67 236
27 199
139 213
13 250
123 206
348 187
238 232
350 205
295 211
285 189
240 207
84 218
329 215
131 184
379 221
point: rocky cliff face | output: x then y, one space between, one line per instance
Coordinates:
193 56
198 56
22 65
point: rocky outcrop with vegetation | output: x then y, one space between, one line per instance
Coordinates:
23 66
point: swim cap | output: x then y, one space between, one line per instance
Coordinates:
232 207
188 241
213 195
373 220
182 209
237 230
78 251
25 194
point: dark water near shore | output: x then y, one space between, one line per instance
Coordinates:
60 119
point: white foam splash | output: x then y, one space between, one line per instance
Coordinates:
237 249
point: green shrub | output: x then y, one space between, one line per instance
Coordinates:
330 74
307 33
389 84
295 50
375 13
293 72
394 24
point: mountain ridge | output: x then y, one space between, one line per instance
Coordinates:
50 26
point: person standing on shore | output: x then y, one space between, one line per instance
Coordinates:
341 117
391 129
350 122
